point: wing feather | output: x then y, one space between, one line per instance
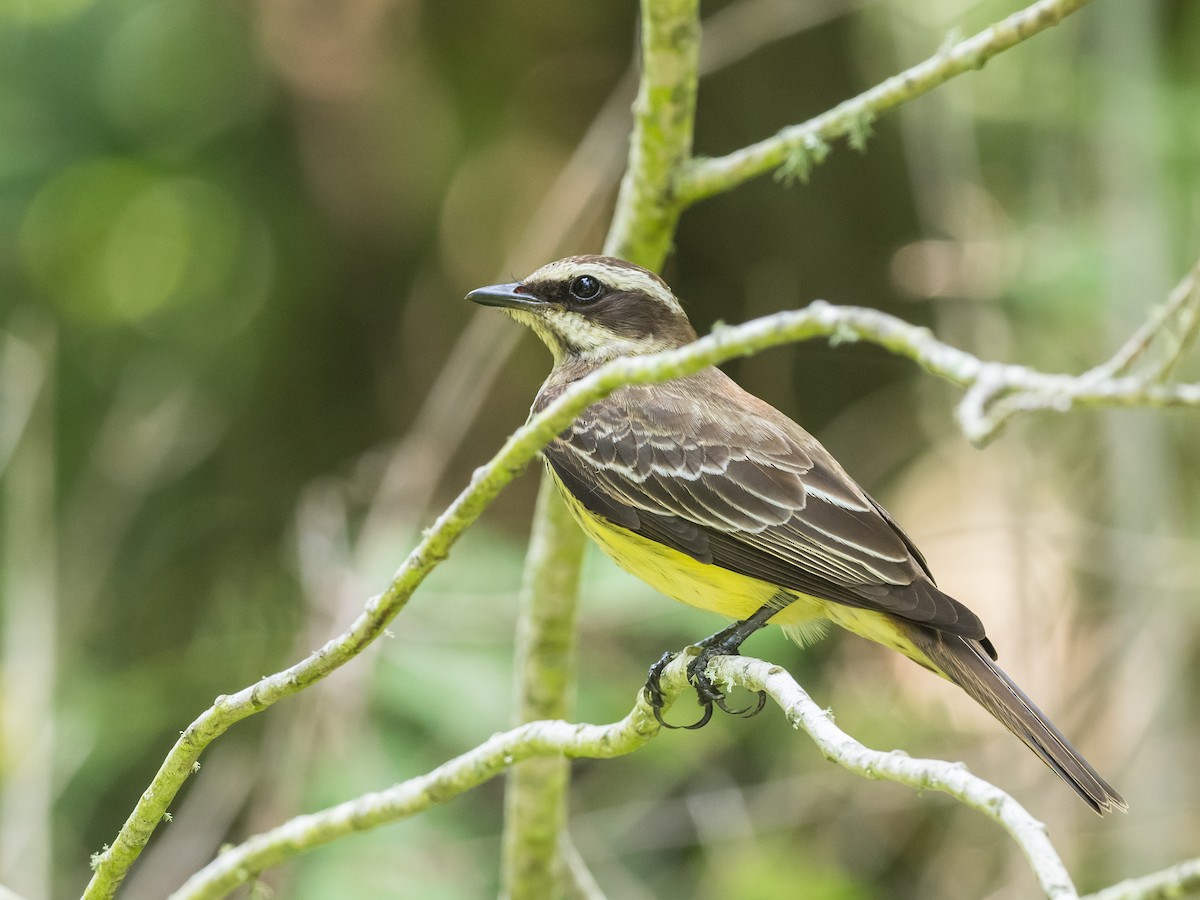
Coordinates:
712 471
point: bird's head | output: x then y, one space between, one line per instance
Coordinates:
590 309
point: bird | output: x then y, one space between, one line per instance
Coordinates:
718 500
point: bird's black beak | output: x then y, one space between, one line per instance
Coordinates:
505 296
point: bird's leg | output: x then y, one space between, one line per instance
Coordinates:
725 642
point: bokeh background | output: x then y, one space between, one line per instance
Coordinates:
237 377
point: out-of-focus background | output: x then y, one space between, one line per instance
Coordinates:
237 377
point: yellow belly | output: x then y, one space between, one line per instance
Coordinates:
729 593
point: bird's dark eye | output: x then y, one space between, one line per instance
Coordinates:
585 288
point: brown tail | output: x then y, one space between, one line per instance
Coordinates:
965 662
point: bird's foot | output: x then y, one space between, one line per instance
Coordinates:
707 693
653 693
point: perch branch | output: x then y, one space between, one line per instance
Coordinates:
239 864
924 774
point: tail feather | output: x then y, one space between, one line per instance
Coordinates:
965 663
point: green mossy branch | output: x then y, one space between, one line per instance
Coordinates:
535 798
664 113
795 150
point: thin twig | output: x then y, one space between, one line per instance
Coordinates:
1177 318
581 883
997 394
536 739
795 149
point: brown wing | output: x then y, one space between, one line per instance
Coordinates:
712 471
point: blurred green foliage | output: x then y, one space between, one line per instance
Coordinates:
233 242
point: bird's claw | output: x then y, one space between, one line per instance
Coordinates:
654 696
707 694
746 712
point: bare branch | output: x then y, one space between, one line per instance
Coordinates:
1174 323
660 182
795 149
555 738
924 774
580 884
999 392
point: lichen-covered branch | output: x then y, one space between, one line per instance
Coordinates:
924 774
996 390
560 739
796 149
536 739
987 381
